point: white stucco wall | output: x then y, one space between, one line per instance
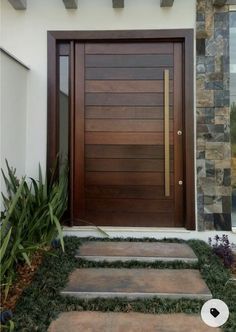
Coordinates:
13 88
24 34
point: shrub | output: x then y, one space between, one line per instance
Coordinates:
30 219
222 248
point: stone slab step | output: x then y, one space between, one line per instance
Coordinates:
130 322
140 251
136 283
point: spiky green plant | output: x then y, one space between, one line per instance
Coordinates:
32 210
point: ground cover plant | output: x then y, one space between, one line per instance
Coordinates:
41 301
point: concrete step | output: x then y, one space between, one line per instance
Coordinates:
130 322
136 283
139 251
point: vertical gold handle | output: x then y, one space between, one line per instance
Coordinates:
167 133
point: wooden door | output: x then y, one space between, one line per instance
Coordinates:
120 152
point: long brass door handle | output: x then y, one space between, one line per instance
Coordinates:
167 132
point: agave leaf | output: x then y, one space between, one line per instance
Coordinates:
59 230
25 256
12 207
40 177
7 267
12 326
36 190
53 172
7 287
51 234
50 212
27 189
15 199
5 244
6 200
30 247
102 231
8 184
11 173
97 227
45 187
41 189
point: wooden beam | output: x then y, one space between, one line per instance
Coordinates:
118 3
219 3
71 4
18 4
167 3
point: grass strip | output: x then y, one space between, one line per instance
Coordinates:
41 302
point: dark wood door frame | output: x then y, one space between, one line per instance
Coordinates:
62 42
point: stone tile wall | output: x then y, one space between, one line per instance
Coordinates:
213 116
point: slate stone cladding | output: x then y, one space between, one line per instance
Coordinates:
213 117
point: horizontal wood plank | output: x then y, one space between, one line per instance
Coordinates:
126 73
126 151
125 178
148 86
126 165
126 99
129 60
125 138
112 125
125 191
129 205
129 48
125 112
131 219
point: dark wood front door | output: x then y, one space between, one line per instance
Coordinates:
124 159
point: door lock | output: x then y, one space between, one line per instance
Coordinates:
179 132
180 183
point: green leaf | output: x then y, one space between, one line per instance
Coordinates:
60 234
12 326
15 200
102 231
53 172
45 188
26 258
12 176
7 287
40 177
5 244
50 212
36 190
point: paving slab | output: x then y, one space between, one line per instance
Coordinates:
88 321
136 283
140 251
